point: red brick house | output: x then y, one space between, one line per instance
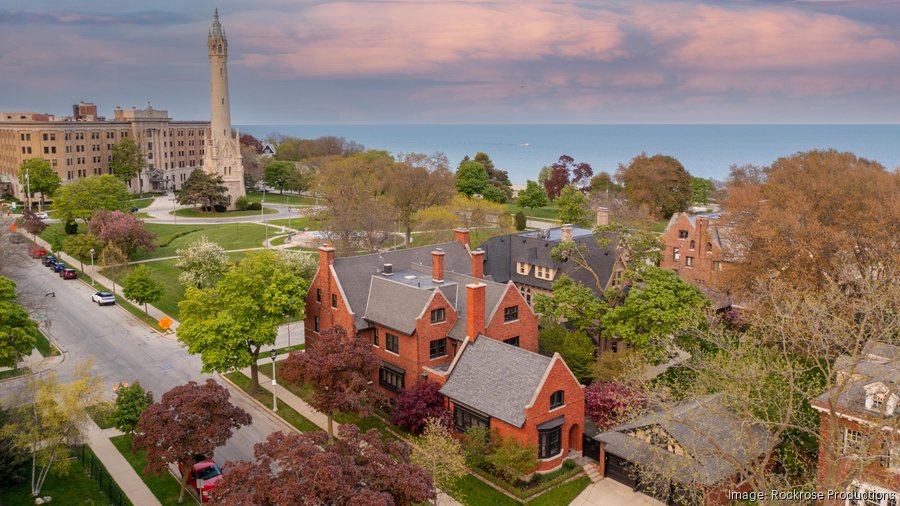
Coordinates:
412 305
859 448
693 247
520 394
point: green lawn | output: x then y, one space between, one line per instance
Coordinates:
164 487
563 494
551 212
287 413
191 212
275 198
166 273
298 223
140 203
12 373
475 492
230 236
75 487
44 347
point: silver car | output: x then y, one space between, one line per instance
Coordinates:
102 298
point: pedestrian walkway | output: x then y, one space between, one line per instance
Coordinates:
121 471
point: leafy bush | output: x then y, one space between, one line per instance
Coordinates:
71 227
254 206
521 221
176 236
511 459
219 208
418 404
477 445
241 203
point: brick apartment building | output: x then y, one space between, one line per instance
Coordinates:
431 315
859 444
694 247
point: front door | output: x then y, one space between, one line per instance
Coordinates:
590 447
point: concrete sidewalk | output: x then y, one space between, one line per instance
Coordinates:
121 471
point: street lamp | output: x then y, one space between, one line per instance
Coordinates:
93 274
262 218
273 354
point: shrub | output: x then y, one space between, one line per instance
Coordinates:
219 208
477 445
521 221
416 405
511 460
254 206
241 203
71 227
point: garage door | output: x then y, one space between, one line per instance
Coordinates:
619 470
653 486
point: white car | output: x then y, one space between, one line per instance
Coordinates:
102 298
42 216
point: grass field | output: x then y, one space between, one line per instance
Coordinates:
298 223
192 212
164 487
230 236
286 412
275 198
550 212
166 273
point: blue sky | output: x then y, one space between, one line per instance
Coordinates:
466 61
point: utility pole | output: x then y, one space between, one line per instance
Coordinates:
28 185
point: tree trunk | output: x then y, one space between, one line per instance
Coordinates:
184 480
254 377
330 430
146 313
408 234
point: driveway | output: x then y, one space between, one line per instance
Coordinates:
608 492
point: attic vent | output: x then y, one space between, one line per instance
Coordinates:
409 276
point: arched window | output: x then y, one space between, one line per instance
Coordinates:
693 245
557 399
709 247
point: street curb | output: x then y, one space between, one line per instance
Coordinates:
272 416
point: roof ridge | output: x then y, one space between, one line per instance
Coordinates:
383 253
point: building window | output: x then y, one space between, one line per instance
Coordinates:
522 268
717 266
851 441
682 234
438 315
334 300
391 379
688 261
891 455
676 253
437 348
510 314
392 343
319 295
512 341
549 443
557 399
463 419
709 247
693 245
316 323
375 337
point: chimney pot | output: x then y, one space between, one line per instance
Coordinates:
602 216
462 235
437 266
475 309
478 263
567 233
388 269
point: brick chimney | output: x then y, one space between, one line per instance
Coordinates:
462 235
475 309
602 217
566 231
437 266
326 257
702 235
478 263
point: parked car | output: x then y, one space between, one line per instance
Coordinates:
52 264
69 274
58 267
38 252
42 216
102 298
204 477
46 259
134 209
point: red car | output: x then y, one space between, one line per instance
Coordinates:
38 252
68 274
205 473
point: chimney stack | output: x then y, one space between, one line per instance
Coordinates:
475 309
437 266
478 263
326 257
462 235
602 217
388 269
566 231
702 233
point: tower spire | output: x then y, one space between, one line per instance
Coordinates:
216 30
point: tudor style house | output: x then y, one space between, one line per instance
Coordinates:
525 259
412 305
689 453
693 248
859 424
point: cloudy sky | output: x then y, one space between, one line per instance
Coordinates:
464 61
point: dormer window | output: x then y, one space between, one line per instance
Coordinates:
523 268
879 398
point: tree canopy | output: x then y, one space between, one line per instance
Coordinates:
533 196
417 182
275 174
81 198
43 177
122 229
203 188
573 207
564 172
201 263
659 182
126 159
131 402
18 332
141 288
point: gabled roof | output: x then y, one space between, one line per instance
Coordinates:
355 273
497 379
712 438
502 253
877 363
395 305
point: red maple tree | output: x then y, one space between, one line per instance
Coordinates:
611 404
417 404
300 469
122 229
188 420
339 369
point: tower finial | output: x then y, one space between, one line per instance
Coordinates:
216 30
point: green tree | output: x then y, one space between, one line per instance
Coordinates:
203 188
80 247
440 455
18 332
113 259
603 183
533 196
512 460
201 262
701 190
641 247
80 199
276 174
300 179
126 159
658 306
141 288
131 401
521 221
497 177
43 179
658 182
574 303
579 353
229 323
241 203
471 178
573 206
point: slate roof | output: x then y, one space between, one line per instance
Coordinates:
495 378
355 273
712 437
502 253
395 305
878 362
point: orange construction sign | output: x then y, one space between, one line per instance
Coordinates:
165 323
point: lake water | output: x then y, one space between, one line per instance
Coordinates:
704 150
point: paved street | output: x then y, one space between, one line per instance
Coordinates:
126 350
